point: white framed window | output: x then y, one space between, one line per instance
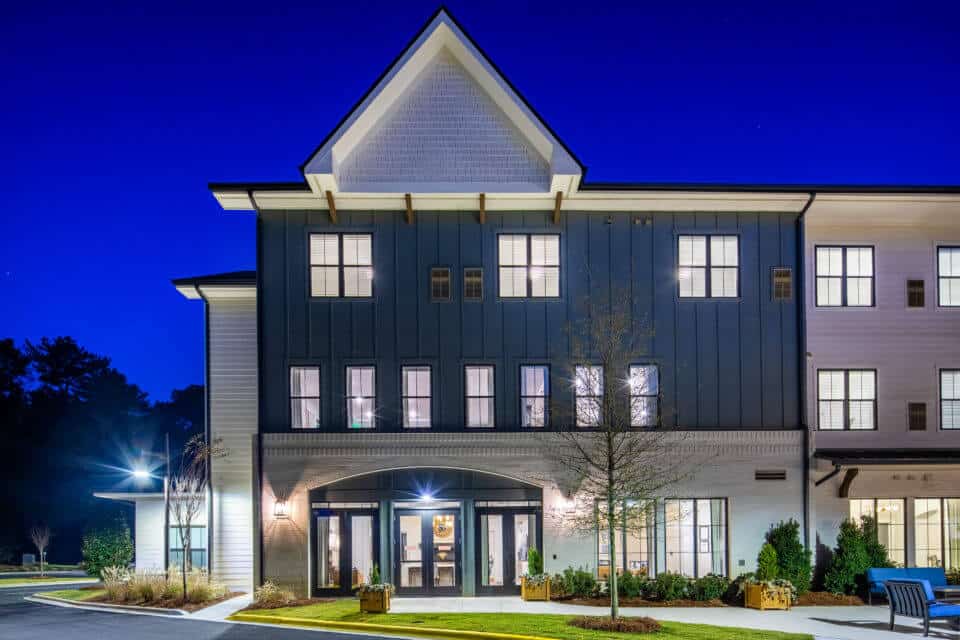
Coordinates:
361 397
588 395
696 536
416 395
341 265
847 399
644 395
844 276
950 398
948 276
534 395
890 516
529 265
708 263
478 383
304 397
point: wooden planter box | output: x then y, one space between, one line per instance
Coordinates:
760 597
375 601
535 591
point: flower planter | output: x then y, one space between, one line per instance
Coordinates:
375 601
531 591
760 596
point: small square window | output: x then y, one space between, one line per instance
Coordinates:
915 294
473 284
917 412
440 284
782 284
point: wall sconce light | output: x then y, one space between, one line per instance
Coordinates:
280 511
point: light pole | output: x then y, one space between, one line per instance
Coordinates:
144 474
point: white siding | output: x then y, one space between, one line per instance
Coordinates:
232 335
148 534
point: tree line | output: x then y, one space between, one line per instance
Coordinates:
73 424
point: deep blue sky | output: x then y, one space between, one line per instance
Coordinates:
114 116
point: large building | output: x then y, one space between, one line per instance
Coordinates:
386 380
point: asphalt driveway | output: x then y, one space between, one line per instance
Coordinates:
22 620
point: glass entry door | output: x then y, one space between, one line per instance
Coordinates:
427 551
503 538
346 544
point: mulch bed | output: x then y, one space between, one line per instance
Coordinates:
827 599
302 602
168 604
623 625
640 602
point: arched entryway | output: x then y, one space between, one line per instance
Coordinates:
430 531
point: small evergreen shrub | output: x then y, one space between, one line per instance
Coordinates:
534 562
709 587
877 556
630 585
793 559
579 583
767 568
375 574
850 560
670 586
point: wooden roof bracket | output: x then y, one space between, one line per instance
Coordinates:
848 478
409 200
332 207
556 207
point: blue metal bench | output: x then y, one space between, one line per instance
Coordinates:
876 577
914 598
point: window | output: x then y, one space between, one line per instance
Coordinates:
847 399
361 397
915 295
917 416
534 396
329 273
696 536
782 284
416 397
479 388
473 284
198 546
588 389
635 544
948 276
440 284
644 395
304 397
936 526
891 524
950 399
708 266
529 266
844 276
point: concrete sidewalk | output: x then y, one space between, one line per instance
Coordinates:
825 623
221 611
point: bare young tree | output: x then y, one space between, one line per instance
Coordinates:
614 448
187 489
40 536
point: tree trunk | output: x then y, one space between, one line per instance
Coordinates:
183 562
42 558
612 533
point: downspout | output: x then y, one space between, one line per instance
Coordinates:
802 362
207 433
259 571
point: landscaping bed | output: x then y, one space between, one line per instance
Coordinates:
99 596
555 626
302 602
642 602
827 599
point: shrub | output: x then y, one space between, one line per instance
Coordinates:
579 583
709 587
146 587
953 576
850 560
375 574
558 589
793 559
767 568
270 594
876 553
116 582
534 562
734 594
110 547
630 585
670 586
171 589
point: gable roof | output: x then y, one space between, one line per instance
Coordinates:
406 131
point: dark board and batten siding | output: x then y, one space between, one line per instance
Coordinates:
725 363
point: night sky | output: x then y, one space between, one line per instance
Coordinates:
116 115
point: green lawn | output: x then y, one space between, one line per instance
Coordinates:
9 568
544 625
25 582
77 595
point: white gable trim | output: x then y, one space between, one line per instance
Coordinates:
441 34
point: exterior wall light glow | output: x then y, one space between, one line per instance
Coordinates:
280 510
426 497
140 474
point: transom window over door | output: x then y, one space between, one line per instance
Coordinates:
708 263
588 387
361 397
304 397
847 399
844 276
479 396
948 276
416 397
529 265
341 265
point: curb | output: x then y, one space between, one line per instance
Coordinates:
382 628
112 608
